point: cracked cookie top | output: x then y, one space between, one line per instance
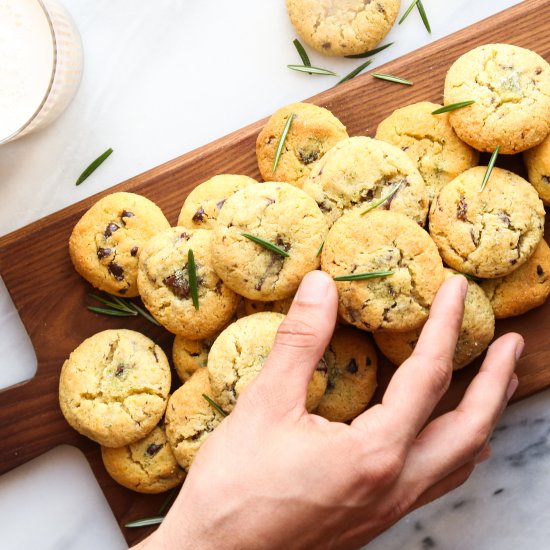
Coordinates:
360 171
239 353
146 466
383 241
114 386
491 233
280 214
537 162
342 27
202 206
106 242
313 131
190 419
164 287
511 89
430 142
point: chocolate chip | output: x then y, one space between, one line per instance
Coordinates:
103 253
116 271
218 287
110 229
326 45
538 71
219 204
119 370
282 244
503 217
352 367
270 201
198 216
153 449
324 207
185 236
540 271
462 209
546 179
134 251
178 284
368 362
127 214
308 157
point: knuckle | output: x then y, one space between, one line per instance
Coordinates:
385 470
296 334
479 431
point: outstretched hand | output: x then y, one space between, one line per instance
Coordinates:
274 476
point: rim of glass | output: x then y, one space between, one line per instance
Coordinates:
52 78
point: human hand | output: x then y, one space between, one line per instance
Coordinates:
272 476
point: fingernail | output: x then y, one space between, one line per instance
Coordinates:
313 288
519 349
512 387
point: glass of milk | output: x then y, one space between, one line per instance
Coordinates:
40 65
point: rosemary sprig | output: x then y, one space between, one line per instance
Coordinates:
355 72
424 17
282 140
120 307
93 166
382 200
408 11
144 522
370 53
363 276
169 499
311 70
192 272
111 312
490 167
214 405
453 107
267 245
302 52
391 78
320 249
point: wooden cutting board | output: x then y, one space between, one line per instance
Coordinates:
51 298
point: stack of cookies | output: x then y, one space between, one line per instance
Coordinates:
389 218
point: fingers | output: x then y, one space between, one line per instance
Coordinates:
301 341
420 382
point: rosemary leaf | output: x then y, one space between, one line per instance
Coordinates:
453 107
145 313
382 200
169 499
144 522
93 166
302 53
355 72
115 305
192 271
120 307
214 405
409 9
391 78
311 70
363 276
282 140
110 311
490 167
422 12
320 249
370 52
267 245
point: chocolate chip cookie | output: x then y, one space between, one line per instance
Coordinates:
190 355
537 162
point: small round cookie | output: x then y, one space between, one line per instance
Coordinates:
524 289
342 27
537 162
279 214
202 206
476 332
510 86
190 419
279 306
107 240
491 233
313 131
163 282
383 241
430 142
352 363
358 172
190 355
146 466
114 386
239 353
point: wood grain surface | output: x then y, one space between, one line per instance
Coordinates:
51 298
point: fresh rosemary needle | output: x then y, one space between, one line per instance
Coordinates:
490 167
267 245
408 11
370 52
214 405
320 249
391 78
363 276
311 70
423 16
192 272
282 140
144 522
355 72
93 166
382 200
302 52
453 107
120 307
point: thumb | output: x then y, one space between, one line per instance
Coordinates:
301 341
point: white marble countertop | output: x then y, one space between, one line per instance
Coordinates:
161 78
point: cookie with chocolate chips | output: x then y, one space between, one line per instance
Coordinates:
165 287
537 162
313 131
106 242
202 206
190 355
383 241
279 214
360 171
146 466
278 306
487 233
114 386
352 363
239 353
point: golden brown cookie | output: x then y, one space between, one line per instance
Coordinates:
278 306
312 133
114 386
106 242
491 233
190 355
537 162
